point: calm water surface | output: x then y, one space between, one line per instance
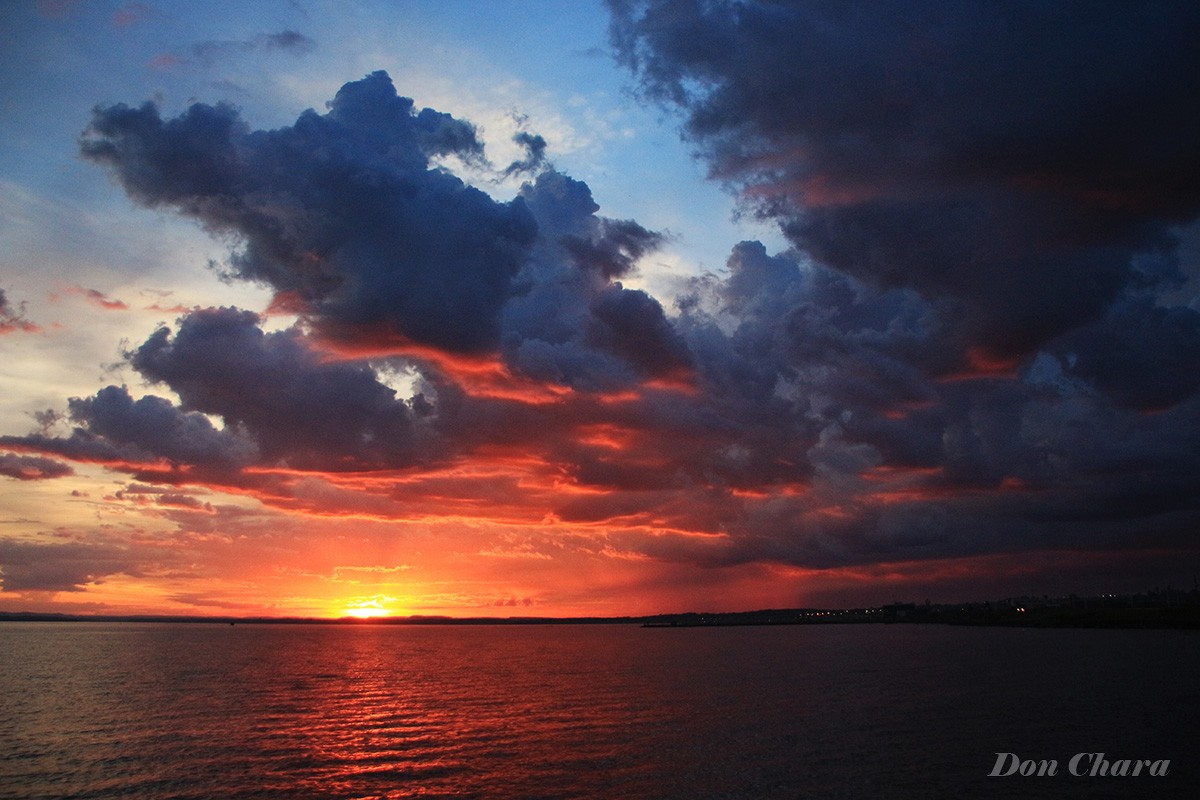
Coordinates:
138 710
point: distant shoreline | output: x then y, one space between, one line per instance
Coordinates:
1160 609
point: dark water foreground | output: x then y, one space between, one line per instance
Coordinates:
141 710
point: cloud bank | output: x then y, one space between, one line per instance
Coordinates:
1023 166
968 354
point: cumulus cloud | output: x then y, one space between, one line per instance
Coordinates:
154 425
570 321
341 211
276 392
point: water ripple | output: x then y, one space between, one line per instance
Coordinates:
100 711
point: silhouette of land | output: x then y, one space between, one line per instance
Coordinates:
1159 608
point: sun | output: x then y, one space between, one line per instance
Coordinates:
367 613
367 609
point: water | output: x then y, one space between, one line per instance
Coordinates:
99 710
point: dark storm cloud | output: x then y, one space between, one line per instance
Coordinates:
1008 160
631 324
1144 356
32 468
341 211
827 384
154 425
280 402
277 391
111 427
614 247
344 216
813 349
978 345
535 154
569 322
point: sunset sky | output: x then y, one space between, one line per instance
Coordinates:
549 308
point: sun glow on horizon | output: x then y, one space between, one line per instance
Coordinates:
367 609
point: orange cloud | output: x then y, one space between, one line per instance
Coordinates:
97 298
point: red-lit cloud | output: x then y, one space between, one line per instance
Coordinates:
98 298
12 319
